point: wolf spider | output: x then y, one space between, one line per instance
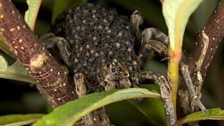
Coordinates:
104 50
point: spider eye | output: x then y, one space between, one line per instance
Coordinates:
113 70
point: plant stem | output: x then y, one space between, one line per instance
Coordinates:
173 73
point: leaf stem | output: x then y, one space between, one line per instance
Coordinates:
173 73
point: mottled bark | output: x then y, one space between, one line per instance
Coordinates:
52 82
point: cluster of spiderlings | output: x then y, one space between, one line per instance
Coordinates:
97 35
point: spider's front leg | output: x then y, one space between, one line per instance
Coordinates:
149 33
136 20
151 39
194 93
165 92
50 40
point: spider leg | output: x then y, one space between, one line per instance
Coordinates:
195 96
100 114
149 34
110 84
165 92
50 40
136 21
154 34
153 38
80 89
80 86
125 83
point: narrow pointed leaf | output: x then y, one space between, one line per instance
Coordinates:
176 14
31 13
72 111
5 49
212 114
155 116
15 71
19 119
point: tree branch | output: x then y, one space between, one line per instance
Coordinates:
53 83
214 29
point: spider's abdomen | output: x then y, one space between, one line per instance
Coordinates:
97 36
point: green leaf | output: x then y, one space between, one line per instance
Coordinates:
15 71
153 109
72 111
31 13
212 114
19 119
5 49
61 5
177 13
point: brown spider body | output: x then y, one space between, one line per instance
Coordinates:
101 45
100 48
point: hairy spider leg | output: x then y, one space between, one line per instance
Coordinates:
196 97
165 92
50 40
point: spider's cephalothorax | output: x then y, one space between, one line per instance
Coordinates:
98 45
